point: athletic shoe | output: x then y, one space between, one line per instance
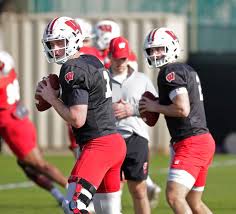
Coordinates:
154 196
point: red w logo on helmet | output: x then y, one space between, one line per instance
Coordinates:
69 76
74 25
105 28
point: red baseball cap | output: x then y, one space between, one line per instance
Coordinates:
119 48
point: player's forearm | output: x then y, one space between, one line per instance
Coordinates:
62 110
172 110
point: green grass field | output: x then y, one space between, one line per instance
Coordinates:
220 192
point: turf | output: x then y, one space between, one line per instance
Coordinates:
219 194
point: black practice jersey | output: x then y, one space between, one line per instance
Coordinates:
84 80
174 77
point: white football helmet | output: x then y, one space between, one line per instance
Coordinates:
86 27
162 37
6 62
62 28
104 32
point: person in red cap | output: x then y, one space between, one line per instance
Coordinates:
127 87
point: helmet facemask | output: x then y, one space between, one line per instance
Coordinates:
154 60
50 52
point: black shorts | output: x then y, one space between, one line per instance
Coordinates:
135 165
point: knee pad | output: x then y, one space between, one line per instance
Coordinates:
107 203
79 195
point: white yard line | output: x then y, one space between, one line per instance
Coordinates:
27 184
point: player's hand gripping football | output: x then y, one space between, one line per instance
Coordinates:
46 91
146 104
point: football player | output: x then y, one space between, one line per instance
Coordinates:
104 32
181 101
19 133
86 104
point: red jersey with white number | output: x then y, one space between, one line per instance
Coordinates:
9 90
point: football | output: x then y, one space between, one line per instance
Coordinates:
150 118
42 104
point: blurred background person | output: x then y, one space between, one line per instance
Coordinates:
20 135
127 87
104 32
153 189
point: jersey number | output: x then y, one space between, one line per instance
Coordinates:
108 87
13 94
199 87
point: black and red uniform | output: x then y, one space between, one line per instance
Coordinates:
85 81
192 143
183 77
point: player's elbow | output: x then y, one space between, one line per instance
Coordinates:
78 116
184 112
78 123
78 120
